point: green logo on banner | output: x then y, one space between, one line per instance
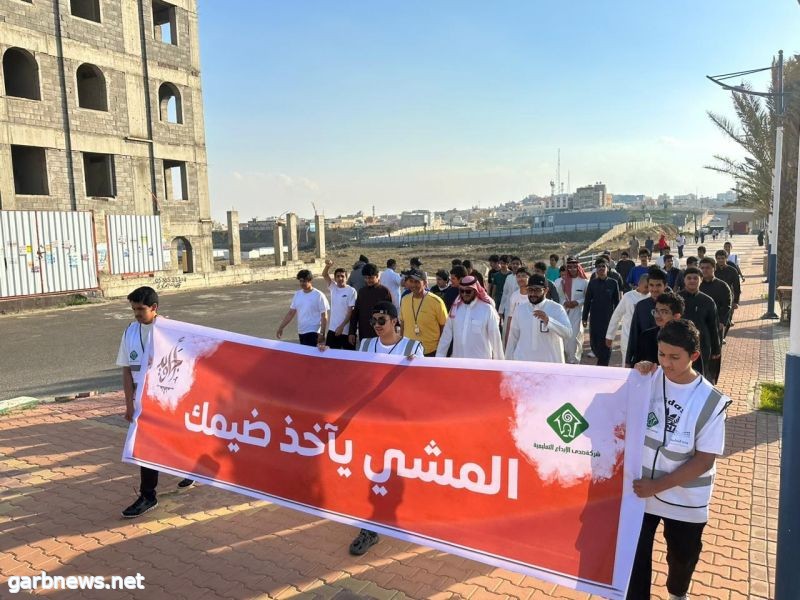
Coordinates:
134 356
652 420
568 423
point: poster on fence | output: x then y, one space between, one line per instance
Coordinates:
525 466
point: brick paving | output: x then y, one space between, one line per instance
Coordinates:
62 486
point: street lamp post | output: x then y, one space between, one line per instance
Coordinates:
772 242
787 575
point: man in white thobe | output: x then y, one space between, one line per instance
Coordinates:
538 328
572 291
624 314
473 325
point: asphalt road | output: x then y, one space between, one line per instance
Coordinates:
72 350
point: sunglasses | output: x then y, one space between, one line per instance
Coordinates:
379 321
466 291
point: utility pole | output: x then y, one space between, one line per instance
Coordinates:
787 575
772 240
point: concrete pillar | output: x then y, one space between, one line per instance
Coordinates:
319 224
234 245
291 237
277 241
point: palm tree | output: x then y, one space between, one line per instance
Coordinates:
755 133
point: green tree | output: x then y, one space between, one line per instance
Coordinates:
754 130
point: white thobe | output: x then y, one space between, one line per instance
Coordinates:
530 339
574 346
509 287
624 314
474 331
391 280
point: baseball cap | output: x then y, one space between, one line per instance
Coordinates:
385 308
537 281
415 274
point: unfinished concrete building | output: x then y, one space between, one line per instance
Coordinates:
101 114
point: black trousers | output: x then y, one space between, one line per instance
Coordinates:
338 342
597 341
148 483
680 251
309 339
684 543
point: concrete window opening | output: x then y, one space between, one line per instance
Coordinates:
21 74
164 29
169 101
182 253
91 88
175 187
98 175
29 165
86 9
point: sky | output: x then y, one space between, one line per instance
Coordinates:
452 104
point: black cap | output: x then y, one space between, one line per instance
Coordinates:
363 259
415 274
385 308
415 261
537 280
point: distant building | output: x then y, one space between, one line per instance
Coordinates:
558 202
728 197
417 218
591 196
629 198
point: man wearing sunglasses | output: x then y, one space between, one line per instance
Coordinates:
384 321
669 307
473 325
539 328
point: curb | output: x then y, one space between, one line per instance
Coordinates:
18 403
71 397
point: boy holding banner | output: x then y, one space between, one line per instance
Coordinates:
144 303
685 433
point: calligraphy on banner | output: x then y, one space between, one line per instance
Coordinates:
505 472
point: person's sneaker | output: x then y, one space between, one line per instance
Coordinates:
141 506
363 542
185 484
674 597
591 354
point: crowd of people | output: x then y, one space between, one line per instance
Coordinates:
672 314
538 311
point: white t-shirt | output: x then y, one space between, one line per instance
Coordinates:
309 307
342 299
131 349
401 348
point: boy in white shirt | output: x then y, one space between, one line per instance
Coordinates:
144 303
685 434
311 307
343 299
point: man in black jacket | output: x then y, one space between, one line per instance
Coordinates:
722 296
643 319
701 310
729 275
674 274
669 307
624 266
602 297
368 296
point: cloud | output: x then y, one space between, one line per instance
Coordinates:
238 176
666 140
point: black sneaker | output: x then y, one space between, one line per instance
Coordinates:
141 506
185 484
363 542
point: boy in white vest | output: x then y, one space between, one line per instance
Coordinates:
685 434
144 303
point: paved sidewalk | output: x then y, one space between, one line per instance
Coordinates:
62 487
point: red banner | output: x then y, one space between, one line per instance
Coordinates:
526 466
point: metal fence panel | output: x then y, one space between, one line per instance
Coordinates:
66 251
46 252
135 244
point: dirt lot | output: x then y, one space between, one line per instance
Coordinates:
438 256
